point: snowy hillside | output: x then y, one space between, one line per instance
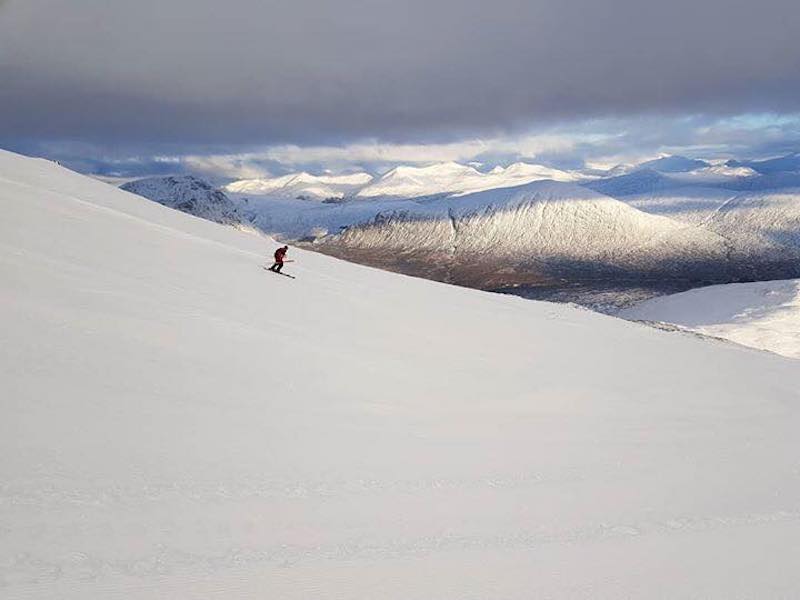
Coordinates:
178 423
763 314
689 204
763 226
302 186
638 182
543 228
759 215
188 194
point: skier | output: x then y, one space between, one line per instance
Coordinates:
280 253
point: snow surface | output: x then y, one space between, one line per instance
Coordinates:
179 423
764 314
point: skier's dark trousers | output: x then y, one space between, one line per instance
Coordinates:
280 253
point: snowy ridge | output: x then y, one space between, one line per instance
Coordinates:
399 182
780 164
303 186
764 315
365 435
454 178
187 194
723 173
638 182
674 164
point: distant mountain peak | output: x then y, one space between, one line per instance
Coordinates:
674 163
302 185
188 194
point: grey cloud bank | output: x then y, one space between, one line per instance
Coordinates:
195 73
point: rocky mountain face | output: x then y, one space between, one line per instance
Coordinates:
188 194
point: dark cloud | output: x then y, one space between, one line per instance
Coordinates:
197 73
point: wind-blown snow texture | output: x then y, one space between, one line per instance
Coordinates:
763 315
178 423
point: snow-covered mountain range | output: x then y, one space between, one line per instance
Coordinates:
303 186
399 182
177 422
742 218
453 178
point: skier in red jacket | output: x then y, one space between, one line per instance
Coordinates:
280 253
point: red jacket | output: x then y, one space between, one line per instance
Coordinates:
279 254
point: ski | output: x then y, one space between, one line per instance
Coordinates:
277 273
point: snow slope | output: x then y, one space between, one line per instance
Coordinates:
188 194
764 314
178 423
545 225
638 182
762 226
691 204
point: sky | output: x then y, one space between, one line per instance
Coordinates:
254 87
